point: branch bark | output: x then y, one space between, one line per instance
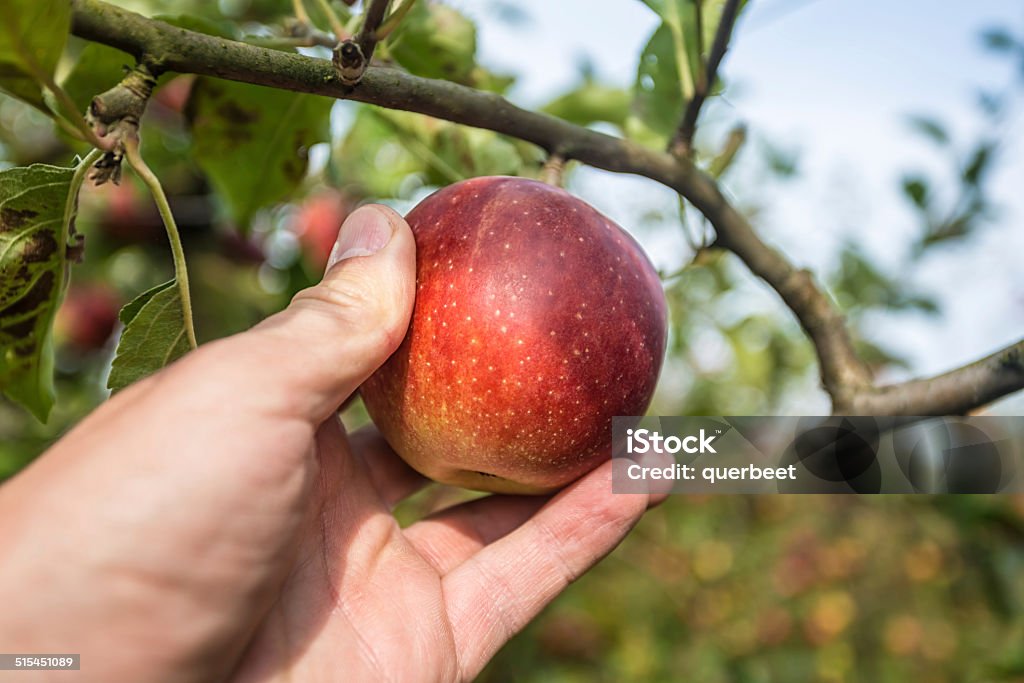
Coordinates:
844 376
954 393
682 142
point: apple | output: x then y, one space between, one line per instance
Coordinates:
316 225
87 317
537 319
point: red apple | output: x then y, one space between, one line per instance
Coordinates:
537 319
316 225
87 317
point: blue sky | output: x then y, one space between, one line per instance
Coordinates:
835 80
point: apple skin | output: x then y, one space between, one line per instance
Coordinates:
536 320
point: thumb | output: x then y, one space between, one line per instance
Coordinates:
316 352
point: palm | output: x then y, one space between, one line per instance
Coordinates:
367 600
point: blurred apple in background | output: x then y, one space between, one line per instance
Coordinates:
174 94
316 224
88 317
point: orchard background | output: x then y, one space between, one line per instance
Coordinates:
878 146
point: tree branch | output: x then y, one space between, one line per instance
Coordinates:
352 55
953 393
682 142
843 374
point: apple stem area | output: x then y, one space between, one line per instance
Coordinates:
553 172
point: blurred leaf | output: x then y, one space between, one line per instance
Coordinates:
32 262
674 60
956 228
485 79
875 356
978 163
200 24
252 142
436 41
592 102
783 163
930 128
733 143
991 103
916 189
320 19
859 285
153 337
97 69
32 37
998 39
370 156
384 148
657 93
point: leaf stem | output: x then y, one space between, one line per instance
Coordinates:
71 115
131 153
394 19
554 169
332 18
679 45
299 10
81 171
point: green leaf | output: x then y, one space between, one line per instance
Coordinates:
657 94
930 128
97 69
252 142
916 190
860 285
979 162
32 37
590 103
998 39
153 337
191 22
674 60
32 262
436 41
384 148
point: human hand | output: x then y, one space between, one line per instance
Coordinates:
214 522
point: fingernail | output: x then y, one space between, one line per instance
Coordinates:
365 232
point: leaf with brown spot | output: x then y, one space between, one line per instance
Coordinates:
32 263
253 142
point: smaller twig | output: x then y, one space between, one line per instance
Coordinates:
553 171
953 393
131 153
373 16
681 144
353 55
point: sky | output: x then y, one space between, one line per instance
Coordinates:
833 80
